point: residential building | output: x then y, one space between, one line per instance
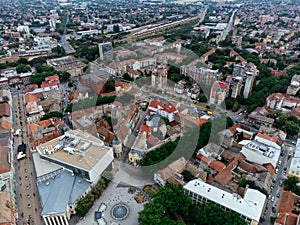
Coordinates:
172 173
201 75
179 87
275 100
250 207
95 82
259 151
294 86
51 81
285 215
10 78
69 64
237 85
259 117
156 107
194 91
219 92
211 150
249 83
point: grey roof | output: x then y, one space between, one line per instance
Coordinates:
43 167
116 140
57 193
155 119
79 187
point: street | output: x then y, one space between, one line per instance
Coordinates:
278 177
29 208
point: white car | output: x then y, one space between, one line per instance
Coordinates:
272 199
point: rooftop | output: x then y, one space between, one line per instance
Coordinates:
64 189
75 148
260 153
250 206
295 164
43 167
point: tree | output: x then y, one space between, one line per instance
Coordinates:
22 68
235 107
127 77
290 184
187 176
23 61
116 28
292 129
202 97
85 203
110 85
168 202
64 76
51 114
171 206
58 51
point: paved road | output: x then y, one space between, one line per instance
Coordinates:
29 208
285 163
132 137
228 27
64 43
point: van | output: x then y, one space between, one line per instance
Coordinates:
102 207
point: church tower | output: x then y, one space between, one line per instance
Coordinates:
117 147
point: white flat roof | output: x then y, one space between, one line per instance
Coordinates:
250 206
295 164
256 155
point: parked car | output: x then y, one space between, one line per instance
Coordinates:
278 195
272 199
281 183
273 209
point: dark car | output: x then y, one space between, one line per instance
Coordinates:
273 209
278 195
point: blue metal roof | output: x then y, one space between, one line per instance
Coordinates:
57 193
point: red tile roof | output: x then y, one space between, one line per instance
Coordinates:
204 159
4 157
132 71
31 98
4 110
155 104
273 139
49 84
217 166
286 205
145 128
6 125
153 140
159 105
52 78
220 84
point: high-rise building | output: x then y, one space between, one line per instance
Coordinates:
249 84
219 92
105 51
